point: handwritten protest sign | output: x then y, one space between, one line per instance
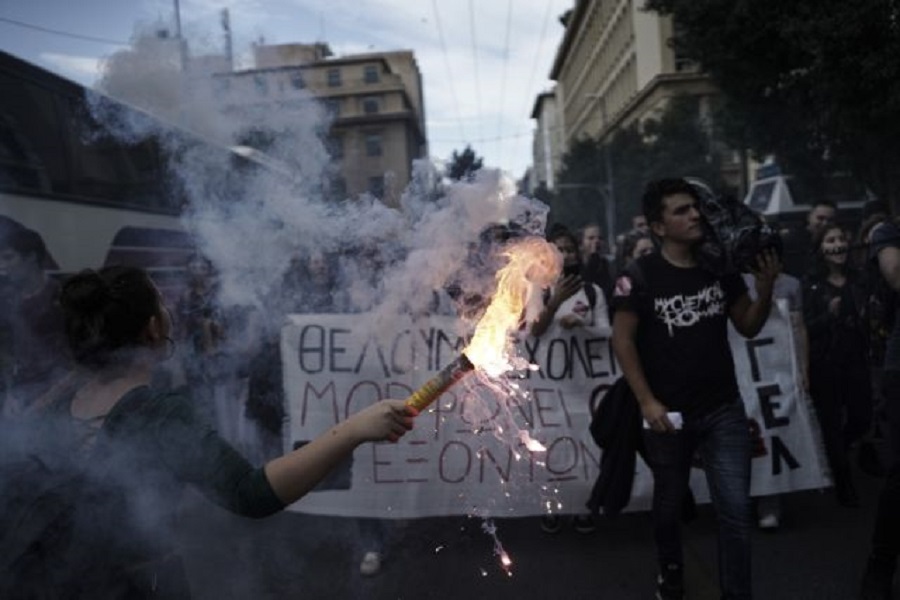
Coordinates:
467 454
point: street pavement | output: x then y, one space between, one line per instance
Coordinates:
817 554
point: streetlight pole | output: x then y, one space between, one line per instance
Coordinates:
610 185
608 190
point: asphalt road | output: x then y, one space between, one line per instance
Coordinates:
817 554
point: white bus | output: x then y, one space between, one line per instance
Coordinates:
95 199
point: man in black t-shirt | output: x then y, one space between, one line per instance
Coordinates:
879 575
670 337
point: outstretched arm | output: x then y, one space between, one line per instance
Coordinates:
293 475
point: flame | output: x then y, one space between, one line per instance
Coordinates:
533 264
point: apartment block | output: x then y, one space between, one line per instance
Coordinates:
374 101
548 148
615 66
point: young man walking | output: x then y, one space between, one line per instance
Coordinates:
670 337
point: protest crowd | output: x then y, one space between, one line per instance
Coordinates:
192 393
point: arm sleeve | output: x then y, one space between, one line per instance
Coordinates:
886 235
196 454
629 291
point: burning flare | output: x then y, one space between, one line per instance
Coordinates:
533 265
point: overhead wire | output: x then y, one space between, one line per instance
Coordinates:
537 53
472 37
509 12
69 34
437 20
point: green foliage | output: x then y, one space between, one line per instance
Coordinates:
816 82
463 165
678 143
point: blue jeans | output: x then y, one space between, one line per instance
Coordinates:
722 438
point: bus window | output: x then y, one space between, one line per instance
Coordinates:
33 152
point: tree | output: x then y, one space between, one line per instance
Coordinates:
464 165
816 82
677 143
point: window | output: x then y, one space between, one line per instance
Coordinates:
262 85
376 186
332 107
335 146
334 77
371 105
297 81
373 144
370 74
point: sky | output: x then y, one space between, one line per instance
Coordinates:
482 63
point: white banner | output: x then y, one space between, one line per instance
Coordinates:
468 454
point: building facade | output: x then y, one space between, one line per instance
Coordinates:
547 145
615 66
375 104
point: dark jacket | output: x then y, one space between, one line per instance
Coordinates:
616 428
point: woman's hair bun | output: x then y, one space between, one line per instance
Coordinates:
85 293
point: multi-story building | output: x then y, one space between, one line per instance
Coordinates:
375 102
616 66
547 146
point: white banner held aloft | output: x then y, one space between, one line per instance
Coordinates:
468 454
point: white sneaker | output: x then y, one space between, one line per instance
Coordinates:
371 563
768 521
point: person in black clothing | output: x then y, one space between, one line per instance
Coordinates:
595 267
34 322
139 446
878 579
838 357
670 337
798 255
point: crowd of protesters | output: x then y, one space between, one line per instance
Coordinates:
838 284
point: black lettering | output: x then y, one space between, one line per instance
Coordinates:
330 392
551 359
316 348
376 464
486 455
396 367
532 344
541 406
780 452
752 345
563 472
768 406
335 350
576 356
362 385
428 338
464 472
593 351
442 339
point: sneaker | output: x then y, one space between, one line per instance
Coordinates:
551 523
670 583
769 521
584 524
371 564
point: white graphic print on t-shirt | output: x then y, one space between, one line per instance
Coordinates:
686 311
